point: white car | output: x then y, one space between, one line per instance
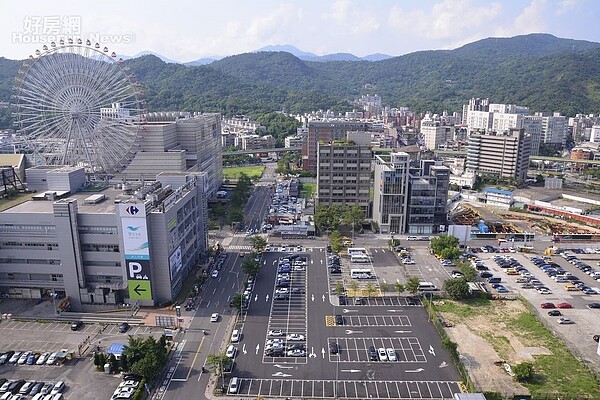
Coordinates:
391 355
275 342
23 358
565 321
52 359
282 290
382 354
276 332
230 351
295 336
43 358
299 268
214 317
215 273
296 353
235 336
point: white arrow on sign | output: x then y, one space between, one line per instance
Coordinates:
402 331
257 348
244 349
284 366
267 298
281 374
345 310
415 370
350 370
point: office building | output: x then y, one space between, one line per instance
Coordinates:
179 142
427 198
390 197
434 132
505 154
532 125
326 131
129 243
344 175
554 129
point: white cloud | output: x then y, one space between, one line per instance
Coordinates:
532 19
565 6
446 20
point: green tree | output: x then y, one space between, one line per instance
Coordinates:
125 362
237 301
412 285
457 288
400 288
523 371
216 362
259 243
451 253
335 240
250 266
114 363
443 245
468 271
339 288
148 367
384 287
370 289
354 217
353 285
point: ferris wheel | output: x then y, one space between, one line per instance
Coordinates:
76 105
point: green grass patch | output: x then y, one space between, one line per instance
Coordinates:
466 308
308 190
252 171
500 343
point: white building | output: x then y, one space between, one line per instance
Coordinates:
533 126
434 133
554 128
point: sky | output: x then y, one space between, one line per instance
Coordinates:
187 30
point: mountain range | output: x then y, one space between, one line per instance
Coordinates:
540 71
288 48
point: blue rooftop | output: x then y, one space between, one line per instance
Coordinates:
116 349
497 191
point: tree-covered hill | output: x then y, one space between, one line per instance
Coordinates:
538 70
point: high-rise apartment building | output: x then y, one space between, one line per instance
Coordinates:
428 198
554 128
433 131
505 154
475 104
344 175
326 131
532 124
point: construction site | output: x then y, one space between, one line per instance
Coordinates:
506 222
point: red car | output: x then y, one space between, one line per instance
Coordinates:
564 305
548 305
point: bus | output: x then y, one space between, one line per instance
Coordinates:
360 258
360 273
357 250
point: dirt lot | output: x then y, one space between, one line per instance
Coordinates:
489 332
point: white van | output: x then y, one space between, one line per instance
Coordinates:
234 385
427 287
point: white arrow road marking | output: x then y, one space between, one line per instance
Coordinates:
393 310
279 373
284 366
322 352
265 262
312 297
402 331
349 332
444 364
345 310
257 348
321 261
431 350
323 297
274 262
244 349
350 370
267 298
255 297
415 370
312 262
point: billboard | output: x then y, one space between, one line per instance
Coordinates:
136 250
175 262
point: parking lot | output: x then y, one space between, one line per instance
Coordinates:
79 374
408 349
350 389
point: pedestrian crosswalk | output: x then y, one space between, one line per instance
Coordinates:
240 247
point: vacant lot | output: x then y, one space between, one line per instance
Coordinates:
489 332
252 171
308 190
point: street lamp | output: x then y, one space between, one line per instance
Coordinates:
54 295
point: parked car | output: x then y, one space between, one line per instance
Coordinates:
339 320
230 352
214 317
565 321
391 354
382 354
76 325
124 327
372 353
547 305
564 305
554 313
334 348
276 332
593 305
